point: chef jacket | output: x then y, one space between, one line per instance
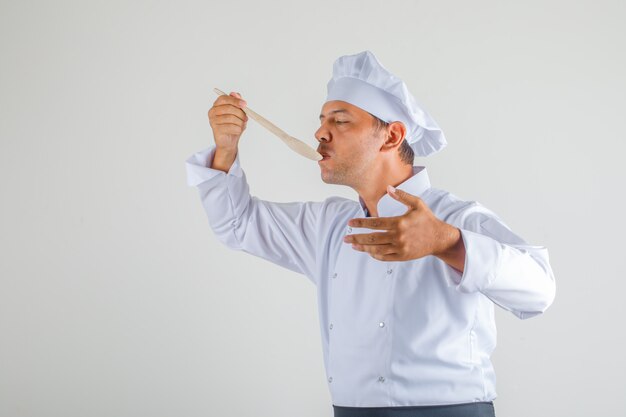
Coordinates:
404 333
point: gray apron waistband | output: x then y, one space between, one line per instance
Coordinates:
477 409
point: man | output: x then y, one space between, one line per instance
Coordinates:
407 277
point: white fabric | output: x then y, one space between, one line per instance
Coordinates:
403 333
361 80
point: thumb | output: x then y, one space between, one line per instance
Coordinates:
405 198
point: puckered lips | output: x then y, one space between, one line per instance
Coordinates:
325 155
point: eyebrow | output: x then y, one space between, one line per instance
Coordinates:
335 111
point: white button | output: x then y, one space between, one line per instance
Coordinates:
233 223
335 275
381 379
381 324
349 229
390 270
330 379
331 326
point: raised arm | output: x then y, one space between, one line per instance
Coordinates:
283 233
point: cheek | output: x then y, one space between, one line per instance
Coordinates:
366 147
356 145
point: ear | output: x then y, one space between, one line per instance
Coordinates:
394 137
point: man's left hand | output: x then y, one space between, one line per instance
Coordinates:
415 234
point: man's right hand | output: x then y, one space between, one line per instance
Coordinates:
228 122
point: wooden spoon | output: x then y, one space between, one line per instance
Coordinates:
295 144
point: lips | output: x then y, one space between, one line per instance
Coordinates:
324 154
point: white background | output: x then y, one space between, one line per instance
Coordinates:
117 300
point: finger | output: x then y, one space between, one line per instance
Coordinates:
378 250
405 198
234 101
228 118
392 257
383 223
228 109
377 238
231 129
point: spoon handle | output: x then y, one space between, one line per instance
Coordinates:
295 144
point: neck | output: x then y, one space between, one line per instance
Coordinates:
378 179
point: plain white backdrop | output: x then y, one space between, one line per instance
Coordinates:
117 300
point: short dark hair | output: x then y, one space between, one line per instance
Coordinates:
406 152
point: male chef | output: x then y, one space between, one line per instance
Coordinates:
407 276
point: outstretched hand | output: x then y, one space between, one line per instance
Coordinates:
413 235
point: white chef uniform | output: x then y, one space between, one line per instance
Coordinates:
393 333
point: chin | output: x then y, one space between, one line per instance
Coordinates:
335 175
332 179
326 177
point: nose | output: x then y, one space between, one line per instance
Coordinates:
322 134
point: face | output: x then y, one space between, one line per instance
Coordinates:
348 143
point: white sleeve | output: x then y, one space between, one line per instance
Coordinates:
282 233
501 265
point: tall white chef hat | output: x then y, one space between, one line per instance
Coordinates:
361 80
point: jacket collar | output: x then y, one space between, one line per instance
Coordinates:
417 185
